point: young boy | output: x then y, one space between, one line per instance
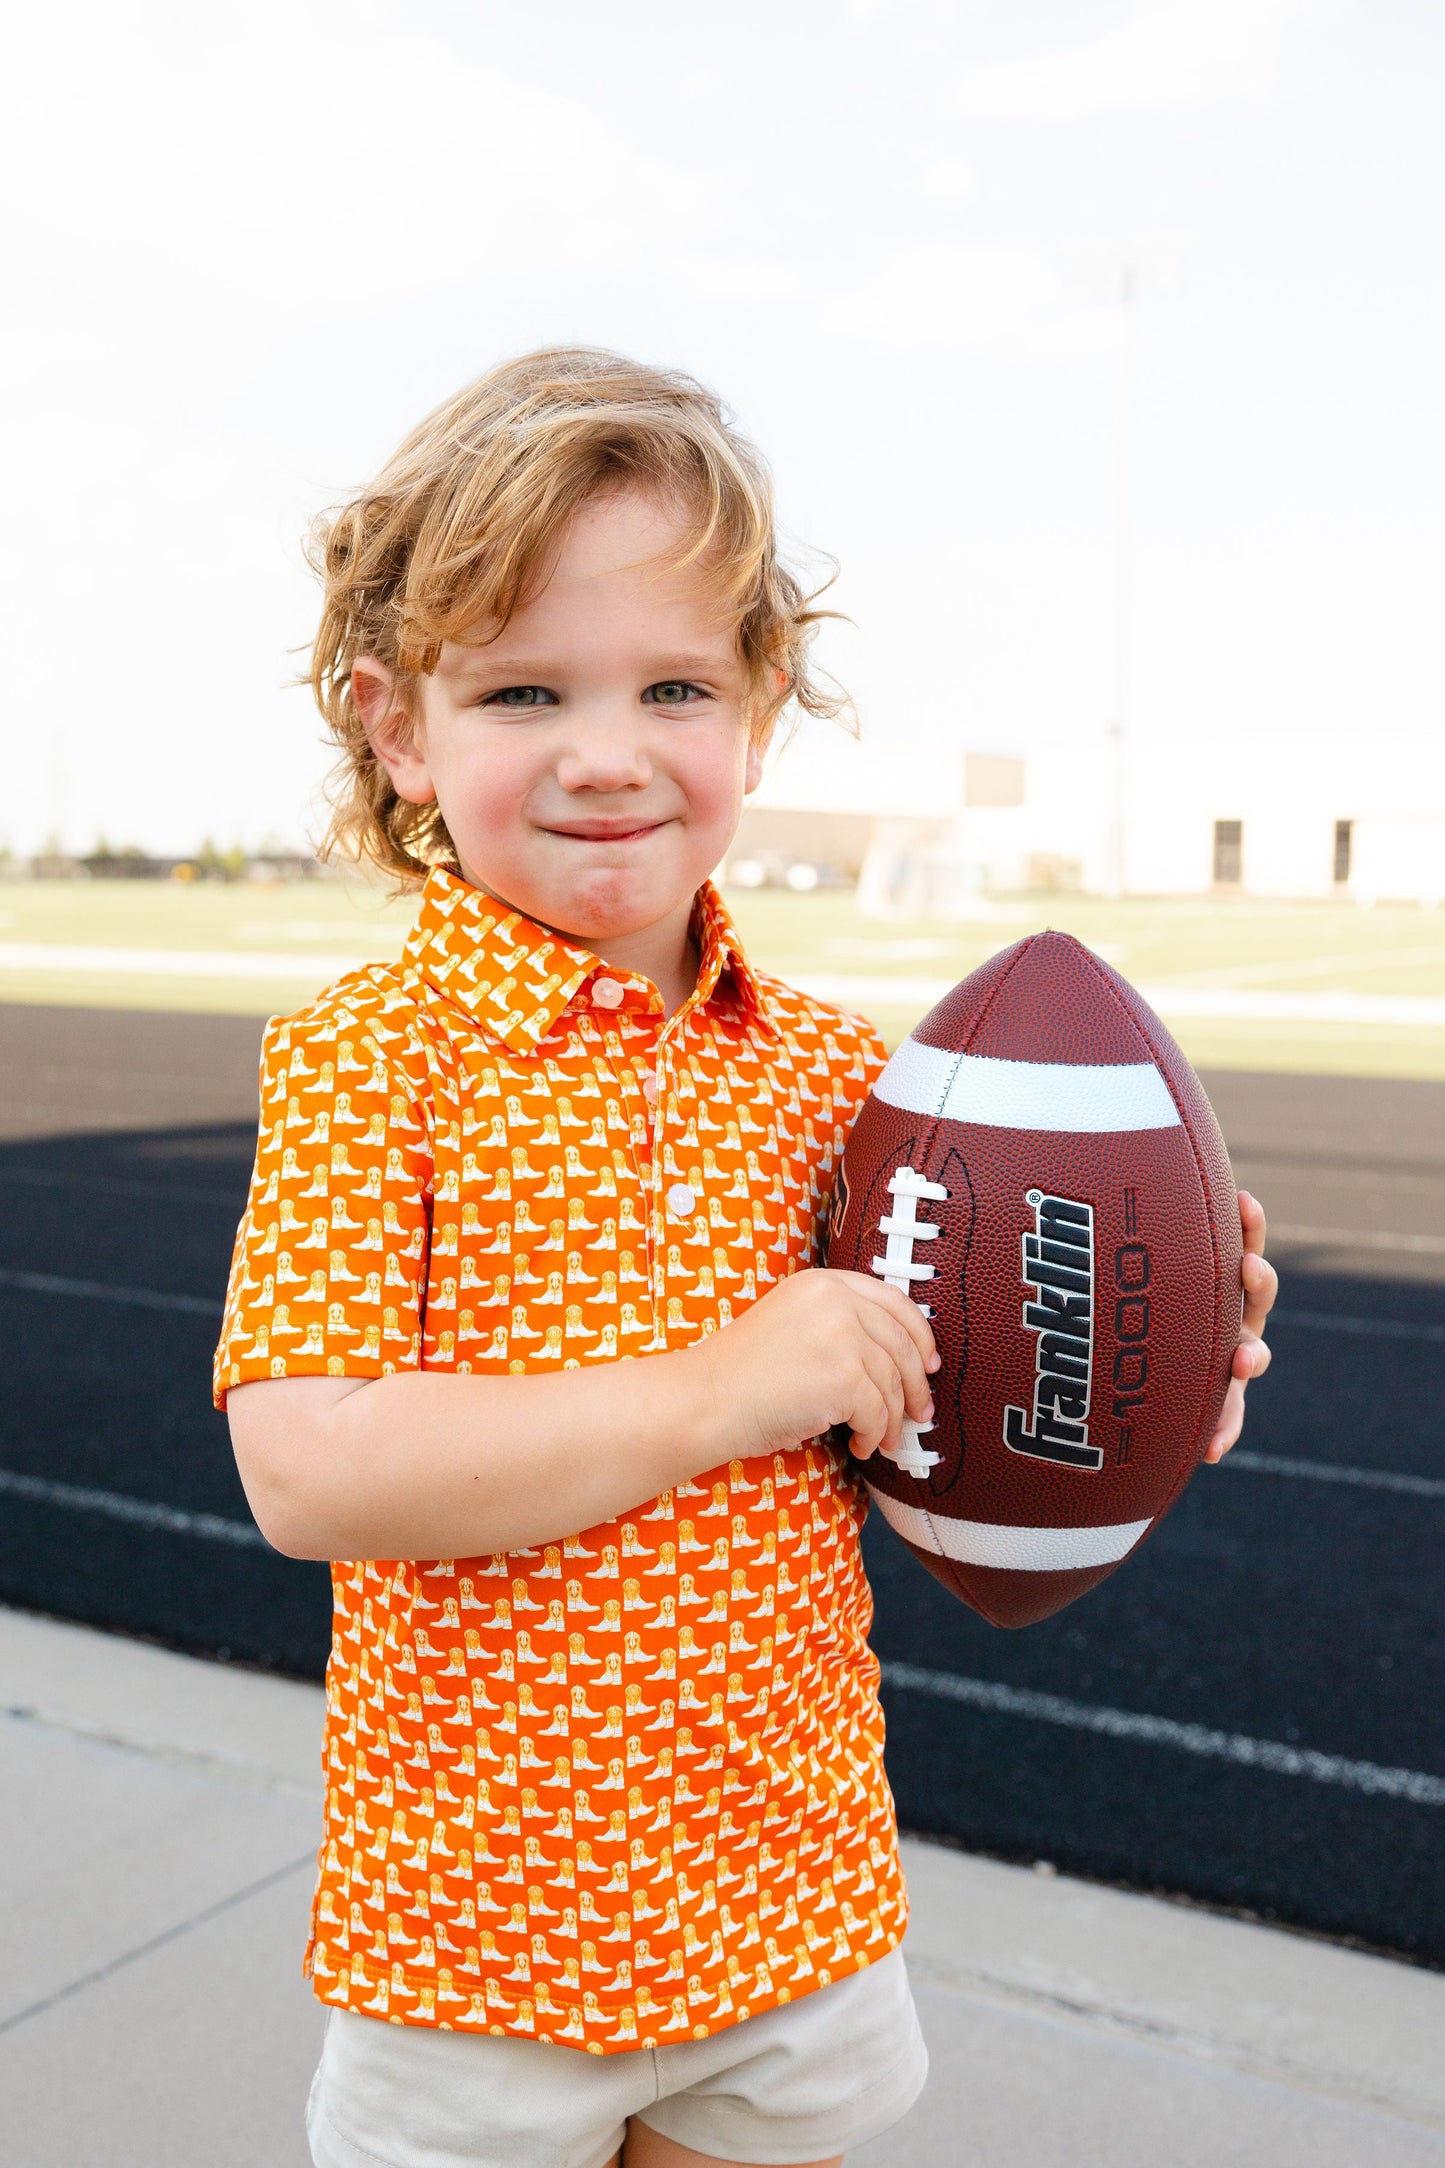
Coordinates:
522 1258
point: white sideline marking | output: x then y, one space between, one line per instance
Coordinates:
178 963
1233 1003
1233 1746
47 1283
1021 1550
138 1511
1027 1094
1226 1003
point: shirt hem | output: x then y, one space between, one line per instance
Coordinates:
571 2026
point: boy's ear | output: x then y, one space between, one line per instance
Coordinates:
391 732
758 743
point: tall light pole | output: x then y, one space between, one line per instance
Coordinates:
1115 860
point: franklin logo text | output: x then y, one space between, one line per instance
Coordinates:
1059 1268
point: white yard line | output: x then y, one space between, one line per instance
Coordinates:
1343 964
1245 1005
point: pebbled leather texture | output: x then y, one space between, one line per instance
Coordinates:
1163 1309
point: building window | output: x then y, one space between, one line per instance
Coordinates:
1344 839
1228 853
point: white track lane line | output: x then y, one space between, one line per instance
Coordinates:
47 1283
1320 1471
139 1512
1341 1238
1272 1755
1384 1328
102 1185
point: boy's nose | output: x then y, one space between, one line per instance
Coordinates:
605 753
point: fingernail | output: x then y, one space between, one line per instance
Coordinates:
934 1362
928 1413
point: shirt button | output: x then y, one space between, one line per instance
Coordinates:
606 994
649 1088
680 1199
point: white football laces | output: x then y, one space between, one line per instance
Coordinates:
900 1269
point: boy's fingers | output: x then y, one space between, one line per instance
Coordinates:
1251 1359
1231 1422
879 1418
901 1352
1261 1285
907 1314
1252 1222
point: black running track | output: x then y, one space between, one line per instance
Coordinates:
1252 1713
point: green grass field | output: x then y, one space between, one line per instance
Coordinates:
302 933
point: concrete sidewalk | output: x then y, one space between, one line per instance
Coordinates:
159 1816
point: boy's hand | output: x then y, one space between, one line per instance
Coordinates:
821 1348
1251 1357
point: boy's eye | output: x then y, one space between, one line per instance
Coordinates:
521 696
673 693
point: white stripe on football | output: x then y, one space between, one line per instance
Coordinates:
1061 1096
1023 1550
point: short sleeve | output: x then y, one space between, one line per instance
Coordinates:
329 1268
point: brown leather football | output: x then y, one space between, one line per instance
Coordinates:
1039 1167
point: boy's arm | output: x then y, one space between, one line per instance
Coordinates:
431 1464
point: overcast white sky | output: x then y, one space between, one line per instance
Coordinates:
245 250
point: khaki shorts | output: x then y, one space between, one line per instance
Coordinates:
797 2083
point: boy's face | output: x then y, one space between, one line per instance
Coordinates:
591 761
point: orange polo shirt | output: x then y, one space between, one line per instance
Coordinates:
626 1787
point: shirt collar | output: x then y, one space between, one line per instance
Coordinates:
516 978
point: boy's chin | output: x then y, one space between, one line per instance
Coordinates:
611 910
590 926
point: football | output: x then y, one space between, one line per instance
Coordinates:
1038 1167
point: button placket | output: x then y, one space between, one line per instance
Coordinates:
679 1200
657 1215
631 1064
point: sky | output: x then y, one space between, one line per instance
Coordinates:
246 250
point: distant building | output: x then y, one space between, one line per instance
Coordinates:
783 846
1364 821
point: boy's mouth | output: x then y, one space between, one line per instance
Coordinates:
601 831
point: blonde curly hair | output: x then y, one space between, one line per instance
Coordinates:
460 526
